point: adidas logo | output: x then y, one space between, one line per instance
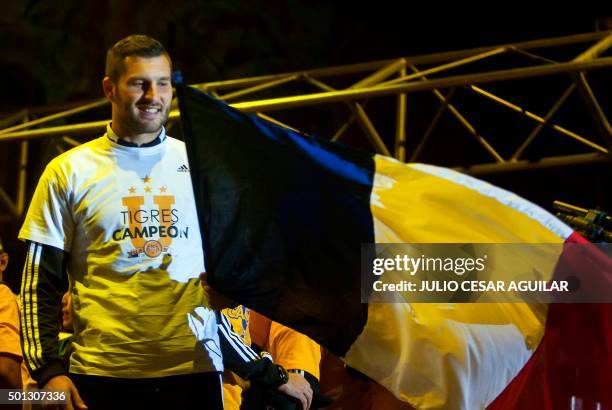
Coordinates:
183 168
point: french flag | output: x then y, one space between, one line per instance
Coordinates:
284 217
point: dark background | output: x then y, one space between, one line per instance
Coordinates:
53 53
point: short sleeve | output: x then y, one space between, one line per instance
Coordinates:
49 220
291 349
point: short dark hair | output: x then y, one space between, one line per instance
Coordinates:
134 45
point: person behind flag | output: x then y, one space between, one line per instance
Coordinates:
299 354
116 218
10 350
291 350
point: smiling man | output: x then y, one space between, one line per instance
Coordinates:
116 218
140 90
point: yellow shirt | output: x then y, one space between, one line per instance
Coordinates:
289 348
126 216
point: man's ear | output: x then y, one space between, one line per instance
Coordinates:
108 86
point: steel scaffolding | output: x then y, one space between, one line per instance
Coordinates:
398 77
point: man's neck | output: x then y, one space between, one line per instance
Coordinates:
138 139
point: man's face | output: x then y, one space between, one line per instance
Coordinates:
142 95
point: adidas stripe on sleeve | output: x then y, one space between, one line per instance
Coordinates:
43 284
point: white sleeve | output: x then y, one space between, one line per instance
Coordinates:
49 220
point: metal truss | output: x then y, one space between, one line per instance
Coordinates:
434 74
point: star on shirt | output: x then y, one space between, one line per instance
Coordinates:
147 189
146 179
163 189
132 190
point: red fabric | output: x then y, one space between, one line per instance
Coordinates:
574 357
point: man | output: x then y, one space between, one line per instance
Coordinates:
290 349
118 215
10 350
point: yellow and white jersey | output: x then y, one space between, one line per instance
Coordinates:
126 216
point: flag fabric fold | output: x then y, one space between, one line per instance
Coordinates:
283 217
277 224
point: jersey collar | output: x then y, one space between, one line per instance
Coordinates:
113 137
